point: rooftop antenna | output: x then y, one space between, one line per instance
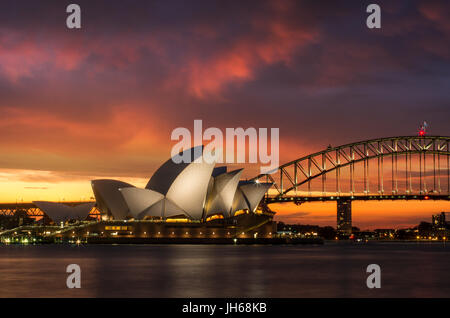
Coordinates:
423 129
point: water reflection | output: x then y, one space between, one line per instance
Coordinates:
333 270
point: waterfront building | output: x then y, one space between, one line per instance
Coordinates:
439 221
59 212
193 199
194 191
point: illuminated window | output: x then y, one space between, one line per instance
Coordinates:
214 217
178 220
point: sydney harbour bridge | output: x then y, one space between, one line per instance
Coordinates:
393 168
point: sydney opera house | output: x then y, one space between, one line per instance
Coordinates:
181 200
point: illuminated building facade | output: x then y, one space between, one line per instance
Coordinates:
193 200
344 216
195 191
440 221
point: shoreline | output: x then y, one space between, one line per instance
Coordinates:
168 241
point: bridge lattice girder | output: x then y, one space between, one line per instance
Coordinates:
333 159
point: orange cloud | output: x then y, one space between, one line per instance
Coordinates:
273 41
29 56
21 58
41 129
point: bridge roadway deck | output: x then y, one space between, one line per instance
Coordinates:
304 199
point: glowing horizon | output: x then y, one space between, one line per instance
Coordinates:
23 186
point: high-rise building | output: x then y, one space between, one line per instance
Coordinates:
344 216
439 222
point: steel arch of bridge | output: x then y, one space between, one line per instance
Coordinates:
333 159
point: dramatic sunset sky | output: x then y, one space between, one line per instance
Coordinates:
102 101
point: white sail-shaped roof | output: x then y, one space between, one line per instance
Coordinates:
81 211
60 212
184 185
253 193
164 177
239 202
139 200
172 209
221 195
174 189
145 202
248 195
163 208
109 200
193 189
188 190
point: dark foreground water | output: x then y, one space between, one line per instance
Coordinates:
331 270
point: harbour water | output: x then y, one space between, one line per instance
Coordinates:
330 270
